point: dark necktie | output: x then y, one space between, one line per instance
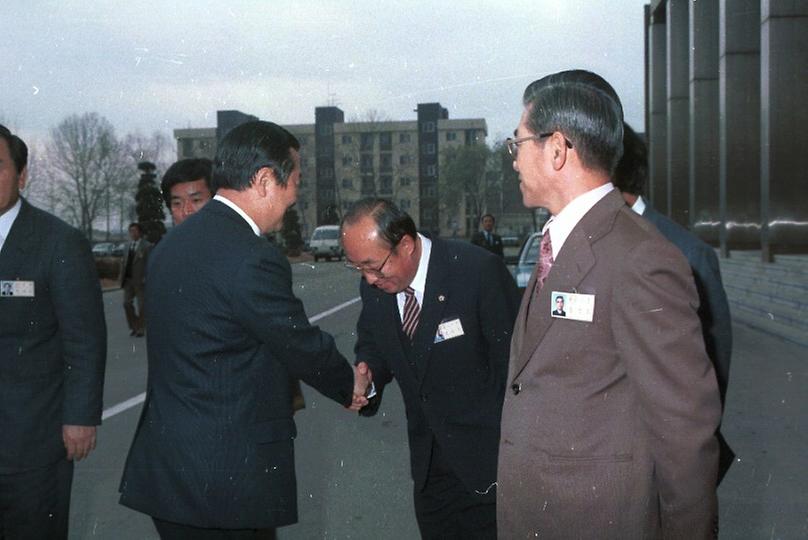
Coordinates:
545 262
411 312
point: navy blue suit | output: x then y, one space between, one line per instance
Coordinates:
716 324
452 389
214 446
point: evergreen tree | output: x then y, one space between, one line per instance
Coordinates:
149 201
290 231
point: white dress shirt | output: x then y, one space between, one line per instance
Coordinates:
419 281
639 205
561 224
7 220
240 212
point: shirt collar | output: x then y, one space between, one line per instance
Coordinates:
240 212
7 220
419 281
562 224
639 205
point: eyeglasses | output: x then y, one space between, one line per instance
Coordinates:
375 272
513 144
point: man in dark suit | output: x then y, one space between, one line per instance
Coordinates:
608 423
716 323
53 346
213 456
438 314
487 239
133 279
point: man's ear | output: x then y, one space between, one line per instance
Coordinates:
262 181
23 178
558 146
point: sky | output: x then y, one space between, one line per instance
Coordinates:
154 65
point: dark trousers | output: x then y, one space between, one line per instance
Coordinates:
176 531
35 504
446 510
132 290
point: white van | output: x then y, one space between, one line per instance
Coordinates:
325 243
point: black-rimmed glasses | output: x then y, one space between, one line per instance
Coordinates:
513 144
376 272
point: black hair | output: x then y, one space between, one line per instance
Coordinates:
631 173
392 223
16 147
186 170
250 147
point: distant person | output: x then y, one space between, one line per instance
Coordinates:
133 279
487 239
716 324
609 420
213 454
438 316
186 187
559 307
53 346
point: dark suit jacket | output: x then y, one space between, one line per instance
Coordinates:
452 389
716 324
495 246
53 346
139 262
608 427
214 446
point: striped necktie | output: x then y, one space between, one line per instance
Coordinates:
411 312
545 261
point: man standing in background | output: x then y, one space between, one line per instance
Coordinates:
486 238
186 187
53 346
133 280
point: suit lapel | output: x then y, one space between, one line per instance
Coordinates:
20 241
436 297
575 260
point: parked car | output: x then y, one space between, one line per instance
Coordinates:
325 243
120 249
510 249
103 249
528 256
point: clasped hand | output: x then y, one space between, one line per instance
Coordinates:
362 379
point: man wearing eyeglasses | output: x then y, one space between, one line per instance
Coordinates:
610 413
437 314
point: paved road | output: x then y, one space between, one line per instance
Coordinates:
353 478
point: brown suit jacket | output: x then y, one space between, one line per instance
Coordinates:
608 427
141 256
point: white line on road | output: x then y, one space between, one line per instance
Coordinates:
140 398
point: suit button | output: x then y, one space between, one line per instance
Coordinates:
516 388
424 397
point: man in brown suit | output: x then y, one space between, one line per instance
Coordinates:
133 279
609 419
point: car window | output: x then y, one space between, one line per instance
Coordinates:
326 234
531 252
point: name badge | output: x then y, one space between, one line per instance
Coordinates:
448 330
24 289
577 307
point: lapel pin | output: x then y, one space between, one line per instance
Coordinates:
441 298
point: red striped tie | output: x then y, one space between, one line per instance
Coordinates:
411 312
545 261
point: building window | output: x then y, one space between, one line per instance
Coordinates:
429 191
347 183
451 136
431 170
471 136
386 185
187 147
366 162
429 127
385 141
404 204
347 139
325 129
404 160
366 142
385 162
405 181
403 137
368 185
429 149
347 160
326 173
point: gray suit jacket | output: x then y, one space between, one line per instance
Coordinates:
53 345
608 427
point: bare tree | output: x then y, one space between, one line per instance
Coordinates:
87 159
464 179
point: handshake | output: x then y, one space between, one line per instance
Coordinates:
362 380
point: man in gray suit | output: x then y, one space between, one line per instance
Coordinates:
716 324
133 279
52 356
609 419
